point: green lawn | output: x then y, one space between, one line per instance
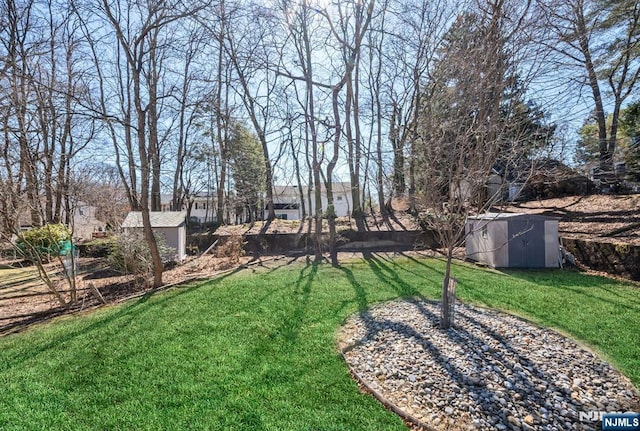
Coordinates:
256 350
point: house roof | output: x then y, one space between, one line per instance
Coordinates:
158 219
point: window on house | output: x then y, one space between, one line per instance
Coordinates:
339 198
484 231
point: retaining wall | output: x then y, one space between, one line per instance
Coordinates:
614 258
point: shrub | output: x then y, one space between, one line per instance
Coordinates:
130 253
96 248
41 243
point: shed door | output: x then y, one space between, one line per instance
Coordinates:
526 244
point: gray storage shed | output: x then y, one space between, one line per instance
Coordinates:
505 240
171 225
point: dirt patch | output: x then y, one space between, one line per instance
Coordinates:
615 218
612 218
25 299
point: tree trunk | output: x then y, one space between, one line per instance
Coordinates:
445 318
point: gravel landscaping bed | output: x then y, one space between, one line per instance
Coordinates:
491 371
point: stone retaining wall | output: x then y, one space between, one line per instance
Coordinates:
347 241
618 259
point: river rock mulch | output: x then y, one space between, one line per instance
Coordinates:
492 371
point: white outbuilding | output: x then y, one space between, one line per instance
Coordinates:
506 240
170 225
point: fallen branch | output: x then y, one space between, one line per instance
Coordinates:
209 248
96 293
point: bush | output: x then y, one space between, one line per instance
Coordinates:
97 248
41 243
130 253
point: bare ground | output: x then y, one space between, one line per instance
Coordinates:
614 218
25 299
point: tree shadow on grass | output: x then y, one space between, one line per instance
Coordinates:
386 271
582 284
507 364
123 317
290 327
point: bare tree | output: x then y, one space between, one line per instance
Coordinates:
142 33
358 17
599 41
417 36
249 52
463 126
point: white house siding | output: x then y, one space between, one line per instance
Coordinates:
202 208
292 214
342 201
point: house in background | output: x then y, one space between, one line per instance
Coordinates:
203 207
171 225
287 205
85 223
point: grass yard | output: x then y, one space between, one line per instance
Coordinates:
256 350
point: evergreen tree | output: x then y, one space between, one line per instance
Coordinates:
248 167
631 128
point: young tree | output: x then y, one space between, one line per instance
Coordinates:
465 124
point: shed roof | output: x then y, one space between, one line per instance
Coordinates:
510 216
158 219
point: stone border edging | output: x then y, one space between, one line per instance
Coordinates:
388 404
532 380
